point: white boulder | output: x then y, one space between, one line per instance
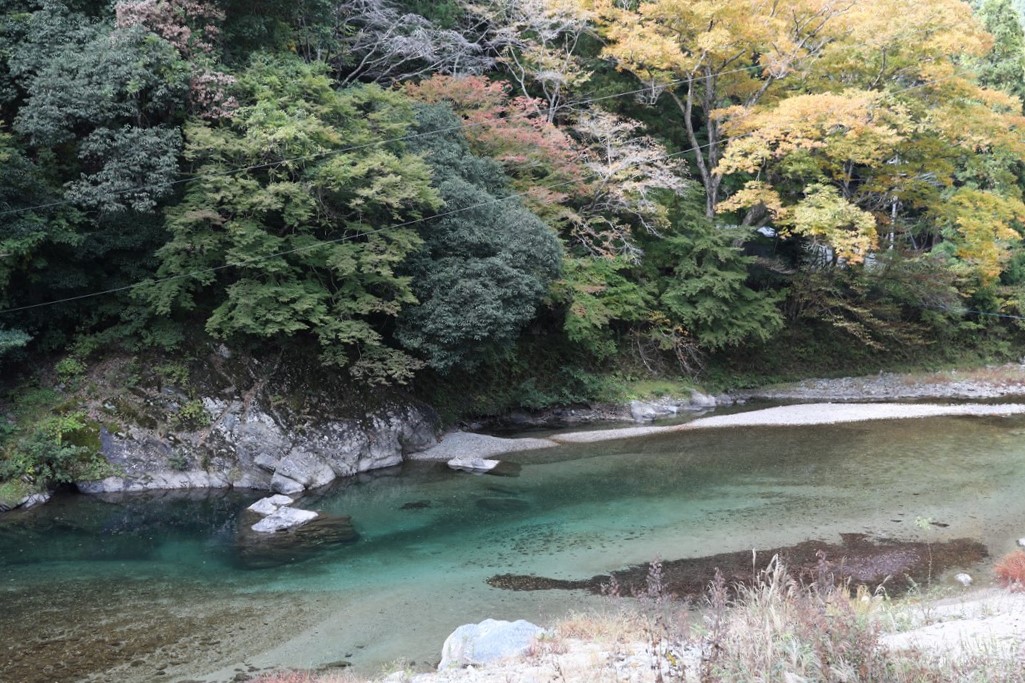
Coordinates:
489 641
284 518
963 579
476 465
269 505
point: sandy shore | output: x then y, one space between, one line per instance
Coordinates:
462 444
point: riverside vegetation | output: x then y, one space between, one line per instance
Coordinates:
496 205
812 629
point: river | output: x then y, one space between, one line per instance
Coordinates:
151 587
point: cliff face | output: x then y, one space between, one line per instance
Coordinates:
247 446
231 420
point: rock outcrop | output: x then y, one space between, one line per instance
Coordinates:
254 425
647 411
474 465
284 518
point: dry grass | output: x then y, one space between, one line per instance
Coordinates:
1010 570
777 629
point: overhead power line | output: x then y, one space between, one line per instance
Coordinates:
356 148
345 238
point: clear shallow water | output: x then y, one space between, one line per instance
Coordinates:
79 572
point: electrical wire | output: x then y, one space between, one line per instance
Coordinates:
356 148
514 195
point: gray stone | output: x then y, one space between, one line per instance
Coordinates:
282 484
963 579
475 465
701 401
489 641
306 468
1021 542
249 445
642 411
266 462
284 518
34 500
269 505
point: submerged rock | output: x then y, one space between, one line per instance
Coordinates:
963 579
489 641
284 518
503 504
255 550
895 565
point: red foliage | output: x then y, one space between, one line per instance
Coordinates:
193 27
189 25
511 130
1010 570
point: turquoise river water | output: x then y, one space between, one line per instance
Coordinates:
150 587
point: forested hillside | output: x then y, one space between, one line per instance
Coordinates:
537 195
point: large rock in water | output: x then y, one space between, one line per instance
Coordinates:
284 518
488 641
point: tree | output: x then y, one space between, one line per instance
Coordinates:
115 100
378 41
487 263
1003 68
709 55
537 43
300 243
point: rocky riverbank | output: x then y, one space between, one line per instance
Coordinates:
252 425
993 382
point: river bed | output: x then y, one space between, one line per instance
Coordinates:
150 587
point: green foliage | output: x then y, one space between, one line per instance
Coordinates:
701 283
12 339
601 294
191 415
487 262
302 243
1004 66
58 449
69 369
175 374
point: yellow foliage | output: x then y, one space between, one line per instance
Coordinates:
981 224
825 216
853 126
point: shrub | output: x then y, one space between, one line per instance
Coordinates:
69 368
191 415
1010 570
59 449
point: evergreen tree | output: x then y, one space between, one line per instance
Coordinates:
287 229
485 267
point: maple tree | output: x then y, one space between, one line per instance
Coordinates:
713 54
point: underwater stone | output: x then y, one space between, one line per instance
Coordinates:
963 579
